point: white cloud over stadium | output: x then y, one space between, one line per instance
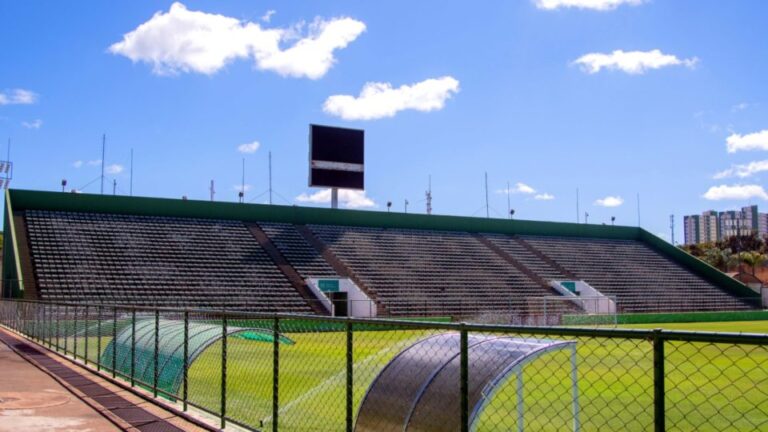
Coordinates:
182 40
349 198
379 99
630 62
599 5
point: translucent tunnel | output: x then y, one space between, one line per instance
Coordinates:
170 358
418 390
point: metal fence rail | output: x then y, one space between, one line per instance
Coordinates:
310 373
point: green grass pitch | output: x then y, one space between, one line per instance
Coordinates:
710 387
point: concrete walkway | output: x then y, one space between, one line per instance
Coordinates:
30 400
41 391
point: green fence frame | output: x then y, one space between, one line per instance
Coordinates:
26 317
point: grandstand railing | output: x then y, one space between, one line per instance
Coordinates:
295 372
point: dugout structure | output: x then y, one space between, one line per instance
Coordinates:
134 348
418 389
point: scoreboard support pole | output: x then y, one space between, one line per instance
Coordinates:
335 198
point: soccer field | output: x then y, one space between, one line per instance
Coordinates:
727 326
707 384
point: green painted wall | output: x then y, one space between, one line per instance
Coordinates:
25 199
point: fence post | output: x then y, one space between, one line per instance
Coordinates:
58 328
133 347
223 371
186 359
156 353
464 379
658 382
74 334
114 341
350 375
98 338
66 332
85 333
276 374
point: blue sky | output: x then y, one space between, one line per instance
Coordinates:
663 98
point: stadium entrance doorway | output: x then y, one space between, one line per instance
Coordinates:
339 300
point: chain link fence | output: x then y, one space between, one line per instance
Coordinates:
310 373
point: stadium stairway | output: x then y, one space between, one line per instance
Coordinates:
341 268
287 269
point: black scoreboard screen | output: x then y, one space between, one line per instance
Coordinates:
336 157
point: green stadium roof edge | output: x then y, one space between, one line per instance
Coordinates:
17 200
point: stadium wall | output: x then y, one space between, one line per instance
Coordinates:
12 284
662 318
17 200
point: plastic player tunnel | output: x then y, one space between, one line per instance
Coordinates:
170 348
418 390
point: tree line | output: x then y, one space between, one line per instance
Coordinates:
750 250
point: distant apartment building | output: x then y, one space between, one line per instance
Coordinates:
712 226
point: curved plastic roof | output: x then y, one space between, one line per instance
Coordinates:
170 348
419 389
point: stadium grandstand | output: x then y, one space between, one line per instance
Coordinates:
267 258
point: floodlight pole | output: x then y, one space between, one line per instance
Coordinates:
334 198
270 177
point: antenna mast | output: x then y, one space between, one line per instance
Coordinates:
103 148
509 204
638 209
429 196
212 190
672 227
487 208
130 188
270 177
241 195
578 215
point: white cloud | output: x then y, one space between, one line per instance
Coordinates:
349 198
753 141
631 62
544 197
267 17
744 170
378 100
113 169
735 192
95 162
192 41
249 148
740 106
34 124
18 97
601 5
77 163
610 201
519 187
240 187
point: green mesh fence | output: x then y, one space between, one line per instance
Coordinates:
289 373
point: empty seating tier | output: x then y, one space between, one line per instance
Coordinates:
641 279
297 251
163 261
415 272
